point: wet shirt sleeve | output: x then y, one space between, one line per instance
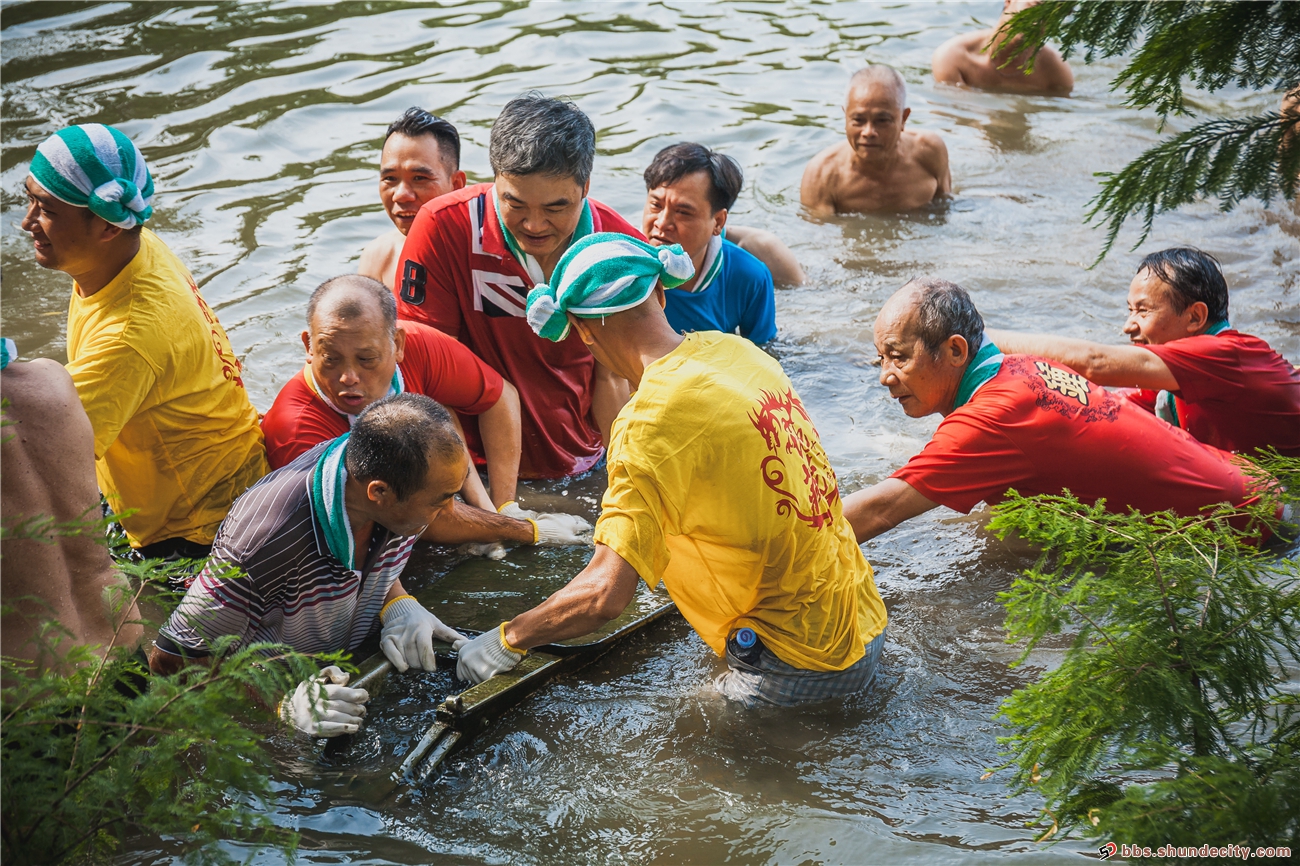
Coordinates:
1208 368
113 381
426 284
966 463
631 522
453 374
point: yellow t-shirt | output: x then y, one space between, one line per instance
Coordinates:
719 486
175 436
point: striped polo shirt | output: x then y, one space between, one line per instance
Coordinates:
292 589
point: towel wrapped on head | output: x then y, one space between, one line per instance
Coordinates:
95 166
602 274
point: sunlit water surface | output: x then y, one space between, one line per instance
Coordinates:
263 122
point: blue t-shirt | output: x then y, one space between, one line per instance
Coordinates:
740 300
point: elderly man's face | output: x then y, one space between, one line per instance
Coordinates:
412 515
540 210
921 383
353 360
873 119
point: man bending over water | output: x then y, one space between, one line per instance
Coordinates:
419 162
718 486
1022 422
976 60
880 166
1187 364
321 544
358 353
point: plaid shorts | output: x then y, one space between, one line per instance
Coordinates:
757 676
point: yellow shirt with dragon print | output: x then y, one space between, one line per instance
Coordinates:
719 487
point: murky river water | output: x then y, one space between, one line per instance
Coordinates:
263 122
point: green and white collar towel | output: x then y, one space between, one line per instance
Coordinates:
328 481
984 366
712 263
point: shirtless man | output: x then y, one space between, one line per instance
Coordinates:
49 471
980 59
881 166
420 161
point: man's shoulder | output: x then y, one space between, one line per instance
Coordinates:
379 252
743 266
926 146
447 205
278 506
959 54
296 415
830 159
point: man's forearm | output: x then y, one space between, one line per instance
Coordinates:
1112 366
883 506
459 523
1078 355
599 593
499 428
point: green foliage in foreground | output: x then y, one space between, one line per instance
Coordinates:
89 760
1213 44
1166 720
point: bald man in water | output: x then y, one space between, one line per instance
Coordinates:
881 166
985 60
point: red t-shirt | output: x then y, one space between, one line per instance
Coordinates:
1039 428
1235 392
433 364
457 275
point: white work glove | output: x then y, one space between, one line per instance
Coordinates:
493 550
409 630
485 656
323 706
554 530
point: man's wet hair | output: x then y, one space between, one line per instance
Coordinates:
415 121
395 439
882 73
350 309
535 134
1192 275
678 160
943 309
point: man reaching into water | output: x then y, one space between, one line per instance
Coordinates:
1022 422
977 60
419 162
718 486
1187 363
320 546
881 166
